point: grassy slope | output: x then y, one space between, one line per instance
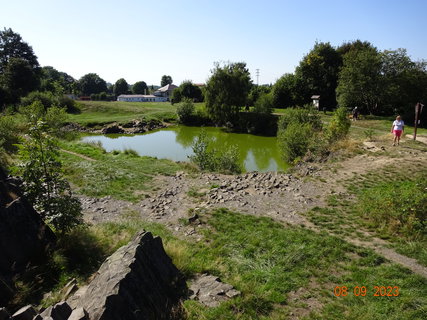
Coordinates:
123 176
101 112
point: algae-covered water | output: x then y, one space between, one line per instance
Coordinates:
256 153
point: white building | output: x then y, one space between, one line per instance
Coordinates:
141 98
165 91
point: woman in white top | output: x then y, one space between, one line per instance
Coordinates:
397 129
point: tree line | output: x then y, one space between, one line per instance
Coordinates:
353 74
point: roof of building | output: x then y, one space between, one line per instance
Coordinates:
315 97
136 96
167 87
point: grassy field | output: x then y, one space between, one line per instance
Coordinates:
101 112
281 271
123 175
95 113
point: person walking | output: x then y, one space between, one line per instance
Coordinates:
397 129
355 114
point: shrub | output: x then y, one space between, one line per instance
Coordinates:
54 117
207 158
264 104
48 100
295 140
185 111
302 116
44 184
339 126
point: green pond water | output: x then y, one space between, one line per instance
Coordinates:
256 153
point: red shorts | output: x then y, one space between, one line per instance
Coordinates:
397 133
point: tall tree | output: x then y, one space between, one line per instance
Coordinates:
227 90
285 92
405 81
318 73
140 87
121 87
12 46
360 83
92 83
165 80
54 80
18 79
189 90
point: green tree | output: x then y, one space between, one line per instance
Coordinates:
286 91
318 74
120 87
44 184
187 90
12 46
18 79
405 82
360 82
56 81
165 80
92 83
140 87
227 90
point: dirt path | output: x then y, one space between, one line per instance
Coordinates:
283 197
78 155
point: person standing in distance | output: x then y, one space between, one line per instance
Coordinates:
397 129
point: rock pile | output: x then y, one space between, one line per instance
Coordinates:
134 126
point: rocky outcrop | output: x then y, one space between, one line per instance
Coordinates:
24 237
133 127
112 129
138 281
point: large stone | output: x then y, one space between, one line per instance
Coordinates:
139 281
210 291
24 237
112 129
60 311
25 313
4 315
79 314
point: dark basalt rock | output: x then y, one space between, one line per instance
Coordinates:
24 237
139 281
112 129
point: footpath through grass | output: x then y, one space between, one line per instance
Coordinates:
281 271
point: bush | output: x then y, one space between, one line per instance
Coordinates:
264 104
295 141
48 100
208 158
185 111
302 116
339 126
399 210
44 185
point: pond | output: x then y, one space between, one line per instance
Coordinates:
256 153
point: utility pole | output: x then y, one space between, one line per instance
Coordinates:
418 110
257 77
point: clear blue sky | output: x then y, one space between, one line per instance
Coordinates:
143 40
